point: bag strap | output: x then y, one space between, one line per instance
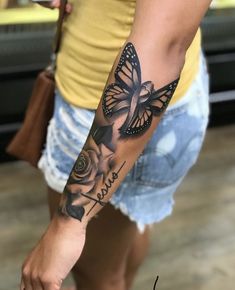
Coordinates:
57 40
62 12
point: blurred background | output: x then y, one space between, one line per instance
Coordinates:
192 249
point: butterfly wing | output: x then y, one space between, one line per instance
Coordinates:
161 98
140 101
128 73
117 96
139 123
115 99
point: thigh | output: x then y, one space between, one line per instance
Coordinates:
110 237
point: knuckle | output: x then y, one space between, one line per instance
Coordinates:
23 266
45 279
34 276
25 271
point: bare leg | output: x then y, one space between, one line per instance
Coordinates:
136 256
113 251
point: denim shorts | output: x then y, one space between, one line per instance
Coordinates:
146 194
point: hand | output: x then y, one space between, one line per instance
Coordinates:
56 4
56 253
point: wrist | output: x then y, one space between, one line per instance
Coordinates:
70 223
66 217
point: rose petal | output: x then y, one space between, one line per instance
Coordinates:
81 187
93 173
82 201
104 164
85 163
99 182
93 146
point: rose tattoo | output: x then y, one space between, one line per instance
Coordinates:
90 170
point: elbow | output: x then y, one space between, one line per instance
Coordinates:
159 47
175 51
166 50
176 43
172 53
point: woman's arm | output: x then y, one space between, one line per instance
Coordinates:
138 90
140 86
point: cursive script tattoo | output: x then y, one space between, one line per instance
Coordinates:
133 105
107 186
138 101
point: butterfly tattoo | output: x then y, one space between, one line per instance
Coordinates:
139 101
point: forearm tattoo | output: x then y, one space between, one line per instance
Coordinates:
129 100
138 101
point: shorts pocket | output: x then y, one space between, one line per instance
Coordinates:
159 168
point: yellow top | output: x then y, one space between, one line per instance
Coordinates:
92 36
34 14
222 3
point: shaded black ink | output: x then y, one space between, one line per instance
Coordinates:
105 189
139 101
75 211
103 134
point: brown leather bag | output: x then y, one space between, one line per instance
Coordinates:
29 141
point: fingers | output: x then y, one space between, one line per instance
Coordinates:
56 4
22 286
50 286
69 8
37 285
25 281
32 282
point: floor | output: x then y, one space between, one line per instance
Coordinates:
194 249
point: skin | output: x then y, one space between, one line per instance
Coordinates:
128 109
110 154
116 255
55 4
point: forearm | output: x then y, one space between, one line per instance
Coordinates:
130 109
138 90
